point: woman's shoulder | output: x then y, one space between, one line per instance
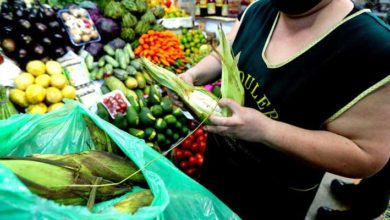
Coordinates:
258 10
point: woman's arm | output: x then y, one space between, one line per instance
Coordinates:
209 68
357 144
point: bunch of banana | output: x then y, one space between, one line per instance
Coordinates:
55 176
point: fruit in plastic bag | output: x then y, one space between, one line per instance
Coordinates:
43 80
69 92
53 95
53 67
58 80
18 97
39 108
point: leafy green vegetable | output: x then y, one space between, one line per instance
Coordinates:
129 5
129 21
149 17
114 10
128 34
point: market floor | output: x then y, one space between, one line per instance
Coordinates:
325 198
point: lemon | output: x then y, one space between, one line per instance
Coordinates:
58 80
36 67
43 80
69 92
18 97
53 67
53 95
23 81
55 106
35 94
39 108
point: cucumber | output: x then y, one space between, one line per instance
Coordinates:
93 73
100 73
131 70
111 61
132 116
170 119
120 57
137 64
129 51
101 62
104 89
114 83
89 61
120 74
137 132
154 96
108 69
109 50
160 124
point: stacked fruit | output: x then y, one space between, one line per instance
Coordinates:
150 117
28 33
162 48
174 12
189 155
194 44
41 86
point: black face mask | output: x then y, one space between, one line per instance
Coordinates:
295 7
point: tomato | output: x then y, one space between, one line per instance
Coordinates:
192 162
199 132
191 172
201 138
186 144
199 159
195 147
202 147
179 154
183 165
187 153
191 138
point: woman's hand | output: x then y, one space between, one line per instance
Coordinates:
245 123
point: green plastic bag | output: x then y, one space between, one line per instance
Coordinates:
176 196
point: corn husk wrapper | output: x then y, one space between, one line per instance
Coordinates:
201 102
231 86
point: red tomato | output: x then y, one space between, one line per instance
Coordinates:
191 138
192 162
195 147
202 147
179 154
183 165
187 153
186 144
191 172
201 138
199 132
199 159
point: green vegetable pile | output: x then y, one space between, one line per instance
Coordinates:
135 16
